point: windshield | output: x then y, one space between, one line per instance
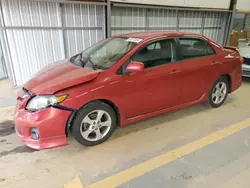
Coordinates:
105 53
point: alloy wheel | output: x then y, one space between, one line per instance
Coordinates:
219 92
95 125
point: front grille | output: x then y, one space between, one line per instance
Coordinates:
246 61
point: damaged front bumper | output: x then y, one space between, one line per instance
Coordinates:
48 123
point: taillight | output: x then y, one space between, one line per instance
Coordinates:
241 59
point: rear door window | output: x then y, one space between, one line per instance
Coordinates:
194 47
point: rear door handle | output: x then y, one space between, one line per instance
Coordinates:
174 71
216 62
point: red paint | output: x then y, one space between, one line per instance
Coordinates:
59 76
49 123
144 94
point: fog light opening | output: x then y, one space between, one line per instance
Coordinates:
35 133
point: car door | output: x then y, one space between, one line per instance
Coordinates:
158 86
198 66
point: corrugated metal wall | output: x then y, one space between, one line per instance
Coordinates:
127 19
39 33
247 22
32 49
3 71
84 26
190 21
239 21
157 20
213 25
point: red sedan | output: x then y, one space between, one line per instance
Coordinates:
121 80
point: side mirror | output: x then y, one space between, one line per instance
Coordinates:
134 67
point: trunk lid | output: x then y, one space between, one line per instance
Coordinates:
231 49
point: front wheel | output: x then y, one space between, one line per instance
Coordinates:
218 92
94 123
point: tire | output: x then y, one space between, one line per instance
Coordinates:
221 96
89 123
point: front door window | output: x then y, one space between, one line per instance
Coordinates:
156 53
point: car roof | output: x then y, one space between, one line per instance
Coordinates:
148 35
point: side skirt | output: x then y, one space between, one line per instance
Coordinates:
162 111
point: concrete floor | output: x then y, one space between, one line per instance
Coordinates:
7 94
222 164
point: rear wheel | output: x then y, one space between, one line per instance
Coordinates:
94 123
218 92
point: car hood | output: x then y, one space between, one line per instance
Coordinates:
58 76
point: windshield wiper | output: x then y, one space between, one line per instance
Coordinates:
86 59
93 65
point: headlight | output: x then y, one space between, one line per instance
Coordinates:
43 101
